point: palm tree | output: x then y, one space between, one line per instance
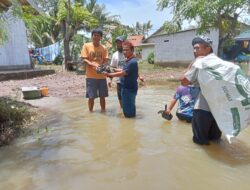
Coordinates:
143 28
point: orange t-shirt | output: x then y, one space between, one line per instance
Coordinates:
94 54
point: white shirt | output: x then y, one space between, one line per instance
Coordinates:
192 76
117 61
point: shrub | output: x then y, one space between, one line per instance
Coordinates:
150 58
58 60
13 115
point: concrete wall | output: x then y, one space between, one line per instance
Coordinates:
146 50
14 54
176 49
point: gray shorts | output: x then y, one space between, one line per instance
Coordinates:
96 88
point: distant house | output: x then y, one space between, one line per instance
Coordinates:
136 40
14 53
173 49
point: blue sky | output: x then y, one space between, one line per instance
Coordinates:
132 11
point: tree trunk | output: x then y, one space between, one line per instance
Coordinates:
67 57
222 37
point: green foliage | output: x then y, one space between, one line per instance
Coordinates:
12 112
61 14
228 43
150 58
13 115
171 27
117 31
76 45
42 29
14 11
58 60
78 14
3 32
81 15
143 28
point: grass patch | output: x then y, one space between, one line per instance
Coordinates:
145 67
14 117
158 75
57 68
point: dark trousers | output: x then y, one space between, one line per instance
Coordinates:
128 102
204 127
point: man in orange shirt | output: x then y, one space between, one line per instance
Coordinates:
94 55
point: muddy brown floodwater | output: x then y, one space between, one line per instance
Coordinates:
75 149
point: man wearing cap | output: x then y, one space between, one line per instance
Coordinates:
117 61
204 125
94 55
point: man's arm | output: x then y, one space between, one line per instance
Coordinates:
90 63
184 80
118 73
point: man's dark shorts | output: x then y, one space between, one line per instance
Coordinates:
96 88
204 127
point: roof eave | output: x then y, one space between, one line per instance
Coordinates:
7 3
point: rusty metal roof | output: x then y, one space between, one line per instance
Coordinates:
245 35
7 3
136 40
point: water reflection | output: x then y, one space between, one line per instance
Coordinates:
238 153
83 150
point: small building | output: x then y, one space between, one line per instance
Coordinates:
14 54
173 49
136 40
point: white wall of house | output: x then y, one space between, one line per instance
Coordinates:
146 50
14 53
176 49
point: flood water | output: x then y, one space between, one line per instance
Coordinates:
75 149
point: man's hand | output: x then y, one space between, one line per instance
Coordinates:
107 75
95 65
167 111
110 84
141 78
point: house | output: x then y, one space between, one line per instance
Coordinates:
173 49
14 54
136 40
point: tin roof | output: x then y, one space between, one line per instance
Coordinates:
7 3
245 35
136 40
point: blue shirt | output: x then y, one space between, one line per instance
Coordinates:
186 96
129 81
